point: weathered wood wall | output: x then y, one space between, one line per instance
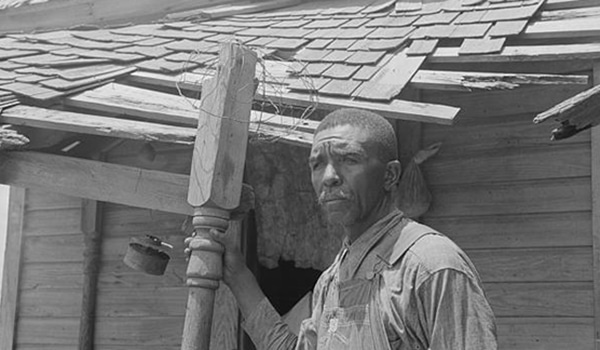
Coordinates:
520 205
134 310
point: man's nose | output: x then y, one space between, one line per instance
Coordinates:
331 176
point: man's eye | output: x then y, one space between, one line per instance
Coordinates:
350 160
316 165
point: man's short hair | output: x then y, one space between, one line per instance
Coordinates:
381 131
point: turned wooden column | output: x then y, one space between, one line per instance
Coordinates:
216 181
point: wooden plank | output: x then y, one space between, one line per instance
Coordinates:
532 99
595 164
396 109
166 108
533 264
47 331
568 28
11 268
545 333
466 81
136 187
391 78
96 125
579 110
52 222
483 135
533 196
513 164
139 332
529 53
119 301
91 227
50 303
517 230
53 249
572 299
51 275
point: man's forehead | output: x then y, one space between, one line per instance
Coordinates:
342 137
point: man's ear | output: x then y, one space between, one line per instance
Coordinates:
393 170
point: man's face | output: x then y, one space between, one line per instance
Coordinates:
347 176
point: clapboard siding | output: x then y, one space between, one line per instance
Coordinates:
570 229
50 285
510 164
486 104
519 197
545 333
520 206
559 299
47 331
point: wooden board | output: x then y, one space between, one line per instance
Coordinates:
53 249
569 28
396 109
136 187
47 331
391 78
533 264
503 103
11 268
96 125
50 303
545 333
534 196
572 299
52 222
51 275
517 230
512 164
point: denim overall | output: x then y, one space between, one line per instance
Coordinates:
351 318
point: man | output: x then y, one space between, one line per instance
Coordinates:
395 284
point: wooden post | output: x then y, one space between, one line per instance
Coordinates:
595 155
12 263
216 181
91 227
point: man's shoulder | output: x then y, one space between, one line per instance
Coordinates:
435 252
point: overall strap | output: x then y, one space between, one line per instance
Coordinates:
409 235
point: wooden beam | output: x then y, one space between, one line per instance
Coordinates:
467 81
396 109
581 110
233 9
164 108
529 53
91 226
595 159
95 125
11 269
96 180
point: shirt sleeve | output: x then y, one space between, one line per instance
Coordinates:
268 331
456 313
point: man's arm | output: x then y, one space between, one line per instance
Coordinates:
262 323
456 311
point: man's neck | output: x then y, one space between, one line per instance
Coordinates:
354 231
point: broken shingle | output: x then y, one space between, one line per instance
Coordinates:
341 44
308 84
365 73
470 17
365 57
315 69
311 55
475 30
390 33
339 87
291 24
511 13
436 18
337 56
385 44
355 23
422 47
319 43
508 28
147 51
340 71
287 44
325 23
481 46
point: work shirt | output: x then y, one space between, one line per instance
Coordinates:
400 285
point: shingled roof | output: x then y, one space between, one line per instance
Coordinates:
341 53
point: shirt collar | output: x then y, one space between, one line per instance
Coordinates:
357 250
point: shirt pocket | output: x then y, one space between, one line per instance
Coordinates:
346 329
